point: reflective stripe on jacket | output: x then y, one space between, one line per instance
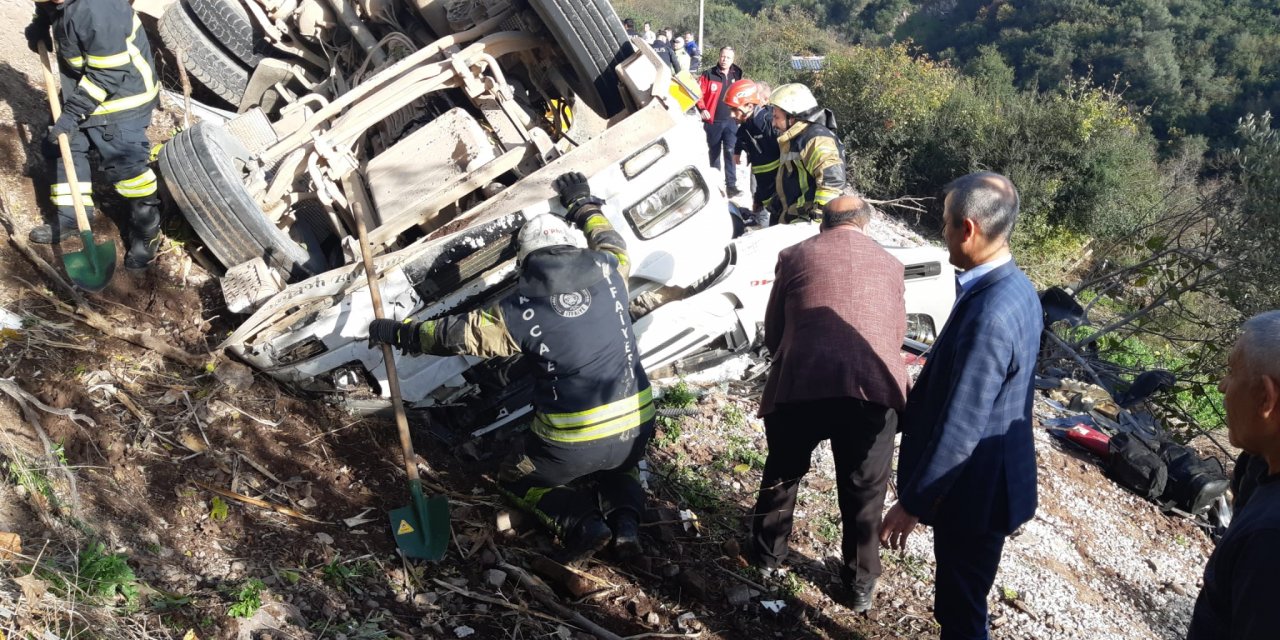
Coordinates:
812 170
105 59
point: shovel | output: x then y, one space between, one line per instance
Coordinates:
90 267
422 528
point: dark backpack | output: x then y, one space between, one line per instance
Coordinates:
1194 482
1135 466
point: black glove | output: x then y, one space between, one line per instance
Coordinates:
574 194
67 123
402 335
36 33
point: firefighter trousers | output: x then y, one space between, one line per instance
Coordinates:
604 472
123 156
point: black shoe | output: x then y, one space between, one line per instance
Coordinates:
144 234
43 234
862 596
626 535
590 536
734 192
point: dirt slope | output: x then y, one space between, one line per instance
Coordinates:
139 547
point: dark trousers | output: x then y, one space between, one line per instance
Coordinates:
966 570
722 137
123 156
861 435
539 479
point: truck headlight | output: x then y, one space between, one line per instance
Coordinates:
673 203
920 328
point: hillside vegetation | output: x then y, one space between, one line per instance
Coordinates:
1137 133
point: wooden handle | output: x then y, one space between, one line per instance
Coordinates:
388 354
64 145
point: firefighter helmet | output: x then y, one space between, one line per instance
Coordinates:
795 99
545 230
743 93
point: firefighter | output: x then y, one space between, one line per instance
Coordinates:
593 408
811 172
757 138
109 90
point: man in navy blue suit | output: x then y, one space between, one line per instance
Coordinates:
967 466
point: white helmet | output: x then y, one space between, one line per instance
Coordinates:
545 230
795 99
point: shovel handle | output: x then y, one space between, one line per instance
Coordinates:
64 145
388 355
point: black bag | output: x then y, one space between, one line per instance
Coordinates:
1136 467
1194 482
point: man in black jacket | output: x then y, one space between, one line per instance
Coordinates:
663 48
593 408
110 88
1239 594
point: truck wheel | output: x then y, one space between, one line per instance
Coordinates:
594 41
229 24
199 169
212 67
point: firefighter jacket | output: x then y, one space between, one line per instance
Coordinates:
108 73
811 171
759 140
570 314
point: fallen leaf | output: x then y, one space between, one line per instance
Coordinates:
10 545
190 635
359 519
324 538
741 468
32 587
193 442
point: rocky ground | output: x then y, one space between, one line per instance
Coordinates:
116 463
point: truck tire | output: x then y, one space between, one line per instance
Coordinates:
594 41
199 170
229 24
203 58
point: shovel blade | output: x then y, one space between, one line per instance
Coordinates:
421 529
91 267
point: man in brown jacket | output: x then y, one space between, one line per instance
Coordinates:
834 324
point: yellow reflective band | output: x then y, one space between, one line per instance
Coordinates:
155 151
765 168
600 422
136 192
62 188
823 196
76 62
67 201
594 222
144 178
602 412
124 104
109 62
603 430
94 91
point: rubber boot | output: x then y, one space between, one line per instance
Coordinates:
44 234
626 534
144 234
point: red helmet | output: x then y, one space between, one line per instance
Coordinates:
743 93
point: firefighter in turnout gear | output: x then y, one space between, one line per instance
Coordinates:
593 408
812 171
109 89
757 138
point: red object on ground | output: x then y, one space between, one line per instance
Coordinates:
1089 438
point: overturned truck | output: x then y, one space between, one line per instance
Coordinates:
441 126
